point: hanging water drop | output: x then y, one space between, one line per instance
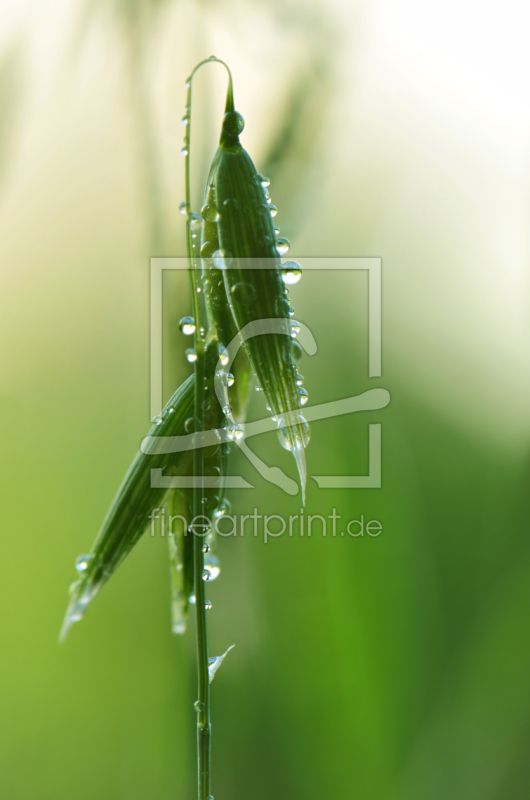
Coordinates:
224 358
295 328
223 509
185 120
303 397
291 272
198 706
227 410
273 210
191 355
184 151
187 326
183 207
207 605
157 420
293 431
282 245
299 379
82 562
230 380
206 548
194 221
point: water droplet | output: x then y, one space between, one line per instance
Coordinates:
198 706
82 562
223 509
187 84
258 388
72 589
242 293
157 420
230 380
194 221
210 213
227 410
206 548
282 245
299 380
291 311
191 600
231 203
296 350
208 249
187 326
265 181
190 426
303 397
184 151
291 272
233 430
207 605
185 120
276 230
191 355
295 328
293 431
223 356
211 568
222 259
183 207
273 210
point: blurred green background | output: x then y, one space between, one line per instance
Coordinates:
393 668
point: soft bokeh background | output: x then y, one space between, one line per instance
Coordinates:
393 668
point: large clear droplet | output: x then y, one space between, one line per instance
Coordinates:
223 509
82 562
187 326
282 245
223 356
291 272
211 567
194 221
210 213
221 259
293 431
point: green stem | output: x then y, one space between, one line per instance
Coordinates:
203 702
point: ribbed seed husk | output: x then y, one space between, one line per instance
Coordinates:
245 232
